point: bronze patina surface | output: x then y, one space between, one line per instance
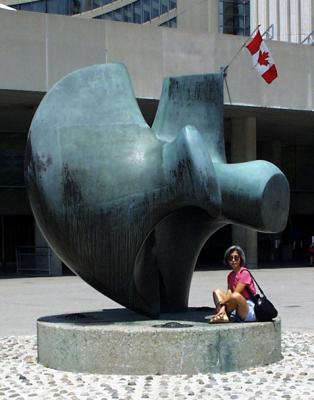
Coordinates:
129 207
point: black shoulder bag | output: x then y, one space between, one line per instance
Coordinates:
264 309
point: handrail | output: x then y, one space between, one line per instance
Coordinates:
309 38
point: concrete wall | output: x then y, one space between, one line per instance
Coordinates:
197 16
42 48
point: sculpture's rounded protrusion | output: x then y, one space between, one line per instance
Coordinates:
254 194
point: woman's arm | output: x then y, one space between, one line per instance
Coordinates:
240 287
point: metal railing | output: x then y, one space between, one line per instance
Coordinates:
309 39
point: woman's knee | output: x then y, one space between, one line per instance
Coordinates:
237 297
218 292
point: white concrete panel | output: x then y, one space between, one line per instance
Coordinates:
22 54
193 16
36 50
291 89
140 49
187 53
72 44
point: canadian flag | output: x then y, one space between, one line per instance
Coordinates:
262 59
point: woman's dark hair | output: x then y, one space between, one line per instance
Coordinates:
232 249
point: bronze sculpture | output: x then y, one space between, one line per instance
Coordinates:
129 207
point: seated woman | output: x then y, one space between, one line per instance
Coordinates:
235 303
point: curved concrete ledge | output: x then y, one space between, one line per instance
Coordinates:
122 342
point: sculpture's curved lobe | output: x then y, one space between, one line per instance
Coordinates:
128 208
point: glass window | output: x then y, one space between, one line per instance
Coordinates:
105 16
173 4
155 8
75 7
164 6
117 15
137 12
234 17
38 6
146 4
58 7
86 5
79 6
127 13
99 3
173 23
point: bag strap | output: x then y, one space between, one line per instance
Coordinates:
259 288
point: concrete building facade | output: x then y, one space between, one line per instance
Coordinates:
273 122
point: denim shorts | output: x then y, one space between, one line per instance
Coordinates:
250 317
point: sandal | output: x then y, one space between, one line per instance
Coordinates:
219 319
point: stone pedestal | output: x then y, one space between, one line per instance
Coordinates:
123 342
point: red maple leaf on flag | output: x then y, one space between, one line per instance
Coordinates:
262 58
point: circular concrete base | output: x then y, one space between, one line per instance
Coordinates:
122 342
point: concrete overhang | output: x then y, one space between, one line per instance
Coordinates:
37 50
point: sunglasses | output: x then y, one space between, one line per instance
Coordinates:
231 258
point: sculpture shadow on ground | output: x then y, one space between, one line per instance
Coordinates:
122 315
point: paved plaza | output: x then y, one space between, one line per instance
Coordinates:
23 300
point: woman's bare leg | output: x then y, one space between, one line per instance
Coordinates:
219 297
237 302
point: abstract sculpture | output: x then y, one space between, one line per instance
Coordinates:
129 207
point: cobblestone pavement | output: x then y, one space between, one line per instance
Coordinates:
291 378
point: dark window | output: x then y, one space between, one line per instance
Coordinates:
164 6
172 4
137 12
234 17
173 23
15 231
140 11
155 8
117 15
58 7
146 4
127 13
99 3
38 6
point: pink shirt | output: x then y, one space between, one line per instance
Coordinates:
242 276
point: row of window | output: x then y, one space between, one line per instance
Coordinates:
138 12
142 11
234 15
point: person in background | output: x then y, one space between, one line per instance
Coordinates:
311 251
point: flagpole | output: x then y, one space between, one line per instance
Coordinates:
224 69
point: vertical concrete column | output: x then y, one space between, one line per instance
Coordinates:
295 19
56 264
243 148
274 18
284 17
